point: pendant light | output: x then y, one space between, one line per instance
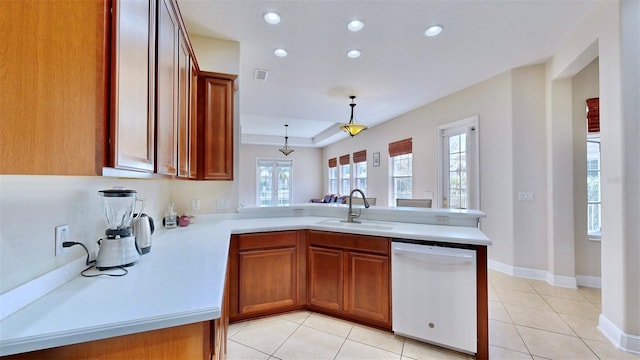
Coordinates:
286 150
352 128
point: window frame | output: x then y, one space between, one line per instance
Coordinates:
393 194
345 179
595 235
357 179
275 165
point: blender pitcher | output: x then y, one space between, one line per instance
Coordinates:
118 248
118 206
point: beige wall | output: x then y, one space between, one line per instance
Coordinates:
529 167
490 100
612 32
306 179
216 55
584 86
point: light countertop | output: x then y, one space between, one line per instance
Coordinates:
180 281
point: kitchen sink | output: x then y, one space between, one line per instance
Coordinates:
364 224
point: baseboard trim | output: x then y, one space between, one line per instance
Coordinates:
589 281
535 274
621 340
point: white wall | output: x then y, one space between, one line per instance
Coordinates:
584 86
306 176
32 206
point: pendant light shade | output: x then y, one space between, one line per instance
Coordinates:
352 128
285 149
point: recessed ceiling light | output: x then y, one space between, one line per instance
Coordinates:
272 18
355 25
280 52
433 30
353 54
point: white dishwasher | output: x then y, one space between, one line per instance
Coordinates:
434 293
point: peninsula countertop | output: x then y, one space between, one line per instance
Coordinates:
180 281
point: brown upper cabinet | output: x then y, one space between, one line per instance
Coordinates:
121 99
215 126
167 90
54 98
133 75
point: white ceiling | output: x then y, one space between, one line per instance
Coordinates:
400 69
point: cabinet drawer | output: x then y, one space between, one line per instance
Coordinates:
266 240
366 243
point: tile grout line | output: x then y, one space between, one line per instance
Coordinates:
512 322
288 337
564 321
343 342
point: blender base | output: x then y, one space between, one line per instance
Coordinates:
117 252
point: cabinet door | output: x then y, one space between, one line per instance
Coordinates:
368 286
193 121
53 83
184 75
132 93
215 97
325 278
166 87
267 279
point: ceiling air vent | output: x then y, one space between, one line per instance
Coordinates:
260 74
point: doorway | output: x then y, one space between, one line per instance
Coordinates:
274 182
458 168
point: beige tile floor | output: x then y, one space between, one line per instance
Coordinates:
528 319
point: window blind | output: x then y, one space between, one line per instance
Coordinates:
360 156
344 159
401 147
593 115
333 163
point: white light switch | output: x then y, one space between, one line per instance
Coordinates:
525 196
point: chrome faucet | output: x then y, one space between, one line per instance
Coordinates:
350 214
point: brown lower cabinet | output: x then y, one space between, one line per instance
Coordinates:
349 277
343 275
267 273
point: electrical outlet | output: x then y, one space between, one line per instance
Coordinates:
525 196
195 205
62 235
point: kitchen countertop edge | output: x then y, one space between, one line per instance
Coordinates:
194 243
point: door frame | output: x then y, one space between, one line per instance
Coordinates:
275 190
473 167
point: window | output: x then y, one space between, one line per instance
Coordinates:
360 167
458 171
274 182
345 174
402 176
401 168
594 199
594 195
333 176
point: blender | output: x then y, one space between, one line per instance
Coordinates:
119 246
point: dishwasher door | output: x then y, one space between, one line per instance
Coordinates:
434 294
